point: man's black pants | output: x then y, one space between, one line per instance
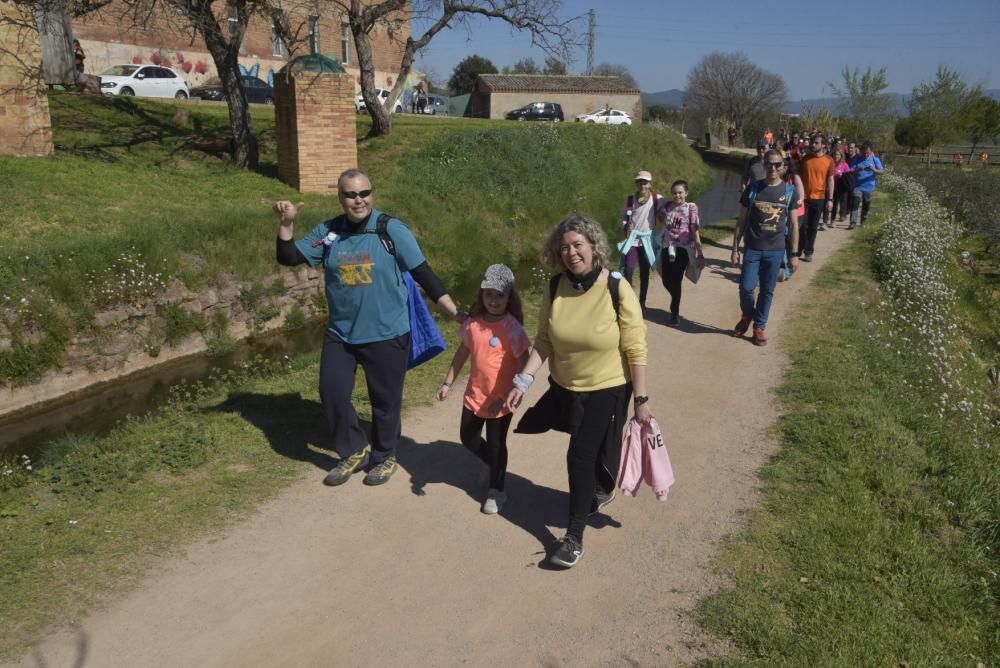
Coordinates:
809 227
384 364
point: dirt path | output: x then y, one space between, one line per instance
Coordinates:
411 574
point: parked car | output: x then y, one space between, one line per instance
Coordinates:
144 80
537 111
436 105
257 91
606 117
383 94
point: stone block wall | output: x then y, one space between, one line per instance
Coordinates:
124 340
316 129
25 125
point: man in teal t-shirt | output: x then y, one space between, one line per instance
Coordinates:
364 283
369 323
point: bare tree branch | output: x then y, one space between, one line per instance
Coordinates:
550 32
731 87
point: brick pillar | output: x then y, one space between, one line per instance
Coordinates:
25 126
316 128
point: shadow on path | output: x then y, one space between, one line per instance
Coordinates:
723 269
658 316
531 507
294 427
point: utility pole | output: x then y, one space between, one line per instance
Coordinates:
590 41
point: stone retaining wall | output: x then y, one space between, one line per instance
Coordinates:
126 339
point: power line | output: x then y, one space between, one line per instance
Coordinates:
590 41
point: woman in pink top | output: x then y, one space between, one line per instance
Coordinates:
495 340
840 190
680 239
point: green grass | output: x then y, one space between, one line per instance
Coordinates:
877 541
130 182
83 524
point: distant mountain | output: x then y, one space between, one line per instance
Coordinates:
672 98
832 104
675 98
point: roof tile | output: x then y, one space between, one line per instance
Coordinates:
552 83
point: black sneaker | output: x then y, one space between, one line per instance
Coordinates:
601 499
674 320
568 551
381 472
346 467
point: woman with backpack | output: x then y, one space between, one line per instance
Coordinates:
790 175
591 331
638 221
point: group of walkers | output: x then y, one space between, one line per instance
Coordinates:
591 329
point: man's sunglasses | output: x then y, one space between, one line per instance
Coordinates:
354 194
773 165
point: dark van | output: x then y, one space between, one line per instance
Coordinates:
537 111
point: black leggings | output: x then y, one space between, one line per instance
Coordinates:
594 451
493 449
673 276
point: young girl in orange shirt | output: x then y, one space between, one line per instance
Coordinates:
494 339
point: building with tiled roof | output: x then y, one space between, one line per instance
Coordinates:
496 94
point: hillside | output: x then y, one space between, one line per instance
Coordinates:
137 198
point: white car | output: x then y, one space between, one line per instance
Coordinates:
606 117
144 80
383 94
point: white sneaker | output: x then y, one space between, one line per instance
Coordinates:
494 501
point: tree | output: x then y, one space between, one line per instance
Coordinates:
940 107
868 112
731 89
222 33
913 132
540 18
523 66
463 78
609 70
982 121
554 66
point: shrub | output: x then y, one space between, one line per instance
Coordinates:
919 314
971 195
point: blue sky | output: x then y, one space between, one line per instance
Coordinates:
808 44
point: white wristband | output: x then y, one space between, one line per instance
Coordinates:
523 381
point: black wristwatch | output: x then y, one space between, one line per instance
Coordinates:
640 399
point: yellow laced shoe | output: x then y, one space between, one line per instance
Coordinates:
346 467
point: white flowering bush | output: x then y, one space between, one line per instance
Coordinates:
15 472
126 280
917 317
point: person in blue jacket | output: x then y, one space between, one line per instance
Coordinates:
865 167
369 321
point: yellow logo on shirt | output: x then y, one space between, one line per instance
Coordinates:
354 275
771 215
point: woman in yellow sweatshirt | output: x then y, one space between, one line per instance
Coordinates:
597 358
